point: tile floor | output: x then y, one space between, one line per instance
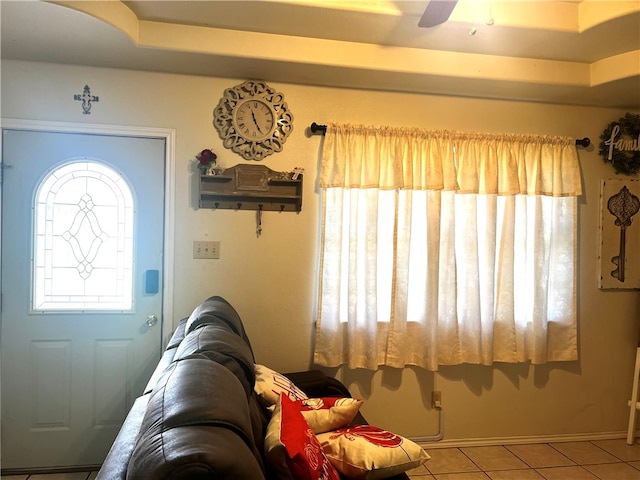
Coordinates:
54 476
595 460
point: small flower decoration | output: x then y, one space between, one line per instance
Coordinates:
206 159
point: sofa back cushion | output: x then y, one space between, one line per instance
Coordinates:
197 419
215 310
184 456
222 345
178 334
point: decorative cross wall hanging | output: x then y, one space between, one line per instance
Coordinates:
86 98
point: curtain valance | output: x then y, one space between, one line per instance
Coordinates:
356 156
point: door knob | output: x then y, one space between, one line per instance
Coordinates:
151 320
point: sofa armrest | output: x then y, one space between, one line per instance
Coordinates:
114 466
316 383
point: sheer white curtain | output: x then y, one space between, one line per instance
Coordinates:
441 248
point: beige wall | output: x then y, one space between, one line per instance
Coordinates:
272 280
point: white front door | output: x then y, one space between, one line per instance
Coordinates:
82 269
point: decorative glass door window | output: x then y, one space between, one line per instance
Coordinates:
83 240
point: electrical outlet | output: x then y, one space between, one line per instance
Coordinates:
206 249
436 399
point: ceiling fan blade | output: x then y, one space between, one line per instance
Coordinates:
437 12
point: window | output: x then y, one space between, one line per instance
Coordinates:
83 240
441 248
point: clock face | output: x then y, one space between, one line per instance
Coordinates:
254 119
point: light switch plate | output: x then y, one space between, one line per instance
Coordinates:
202 249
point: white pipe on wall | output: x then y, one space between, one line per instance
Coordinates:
439 436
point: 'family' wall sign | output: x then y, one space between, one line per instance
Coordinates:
620 144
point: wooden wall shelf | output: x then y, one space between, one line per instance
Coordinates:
251 187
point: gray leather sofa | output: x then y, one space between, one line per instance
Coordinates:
199 417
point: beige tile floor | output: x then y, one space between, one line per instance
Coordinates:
596 460
54 476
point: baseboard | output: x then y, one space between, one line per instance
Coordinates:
485 442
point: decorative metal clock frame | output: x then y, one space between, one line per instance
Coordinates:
253 120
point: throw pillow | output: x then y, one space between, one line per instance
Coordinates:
329 413
270 384
365 452
292 450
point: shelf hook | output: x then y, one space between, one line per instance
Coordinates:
259 220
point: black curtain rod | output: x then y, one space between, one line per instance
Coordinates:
317 129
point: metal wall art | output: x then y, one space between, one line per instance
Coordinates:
620 234
86 98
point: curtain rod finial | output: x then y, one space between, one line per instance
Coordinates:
318 129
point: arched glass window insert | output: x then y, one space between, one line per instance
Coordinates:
83 240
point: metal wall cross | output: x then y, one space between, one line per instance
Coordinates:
86 98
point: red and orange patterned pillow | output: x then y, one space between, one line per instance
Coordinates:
365 452
292 449
328 413
270 384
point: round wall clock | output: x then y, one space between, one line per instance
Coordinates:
253 120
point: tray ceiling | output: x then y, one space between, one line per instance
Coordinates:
570 52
